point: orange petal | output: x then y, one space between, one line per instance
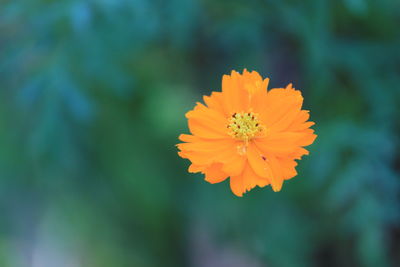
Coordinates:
288 168
287 119
298 153
235 166
251 179
258 99
266 166
237 187
278 103
234 97
215 101
285 143
246 181
207 145
207 123
214 173
276 167
298 122
205 152
187 138
308 139
258 163
227 155
193 168
203 130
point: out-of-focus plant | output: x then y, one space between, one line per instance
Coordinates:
92 97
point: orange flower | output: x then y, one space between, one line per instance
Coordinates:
247 133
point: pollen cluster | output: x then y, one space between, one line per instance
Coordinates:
244 126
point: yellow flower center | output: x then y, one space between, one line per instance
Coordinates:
244 126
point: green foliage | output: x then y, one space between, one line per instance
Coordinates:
92 99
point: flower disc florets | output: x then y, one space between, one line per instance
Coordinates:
244 126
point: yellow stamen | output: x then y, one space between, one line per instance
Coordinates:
244 126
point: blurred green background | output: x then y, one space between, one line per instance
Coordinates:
92 100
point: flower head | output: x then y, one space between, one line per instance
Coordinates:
246 133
